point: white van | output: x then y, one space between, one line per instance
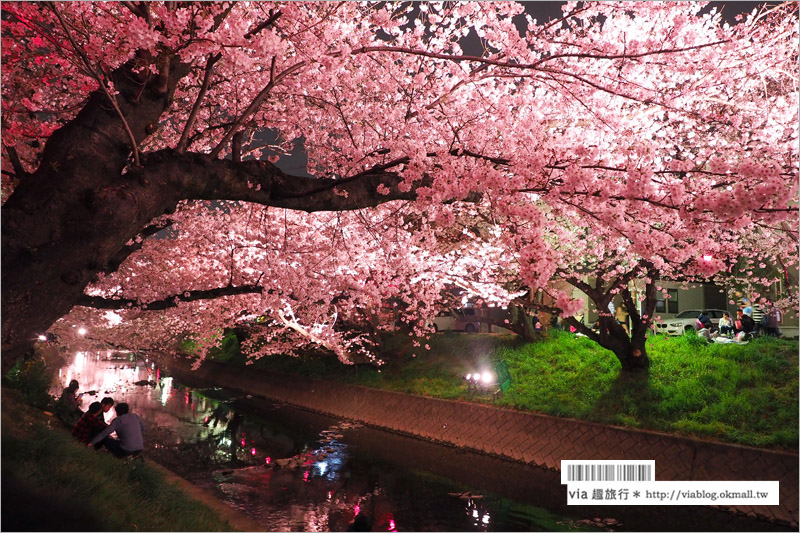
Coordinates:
458 320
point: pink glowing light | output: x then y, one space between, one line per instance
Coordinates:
253 451
268 460
356 509
392 526
244 442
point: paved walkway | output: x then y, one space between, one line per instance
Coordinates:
521 436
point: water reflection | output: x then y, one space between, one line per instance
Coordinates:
290 474
297 471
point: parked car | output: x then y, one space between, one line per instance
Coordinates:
460 320
685 321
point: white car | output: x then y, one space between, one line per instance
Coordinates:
460 320
685 321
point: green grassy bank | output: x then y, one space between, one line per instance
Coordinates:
53 483
741 394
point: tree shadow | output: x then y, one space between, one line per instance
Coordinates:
628 401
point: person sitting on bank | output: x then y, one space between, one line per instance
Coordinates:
703 321
67 408
706 333
130 430
725 325
90 424
107 403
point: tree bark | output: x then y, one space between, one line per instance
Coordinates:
64 221
521 323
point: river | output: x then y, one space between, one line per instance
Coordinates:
293 470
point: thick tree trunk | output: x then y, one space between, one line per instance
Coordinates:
63 223
634 357
521 323
631 351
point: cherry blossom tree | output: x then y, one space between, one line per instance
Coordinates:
134 150
290 279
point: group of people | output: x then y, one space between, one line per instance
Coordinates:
743 327
91 428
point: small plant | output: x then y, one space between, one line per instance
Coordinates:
32 379
694 340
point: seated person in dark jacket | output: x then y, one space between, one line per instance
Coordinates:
705 322
67 406
129 428
744 323
90 424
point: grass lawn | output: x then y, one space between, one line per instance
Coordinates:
53 483
741 394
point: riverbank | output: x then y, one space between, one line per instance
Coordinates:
52 483
519 436
740 394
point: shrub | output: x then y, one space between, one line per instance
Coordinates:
32 379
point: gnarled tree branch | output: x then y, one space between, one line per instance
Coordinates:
99 302
194 177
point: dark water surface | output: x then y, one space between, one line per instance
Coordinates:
293 470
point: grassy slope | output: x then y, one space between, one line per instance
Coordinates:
742 394
53 483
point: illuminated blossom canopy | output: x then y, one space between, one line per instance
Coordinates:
146 169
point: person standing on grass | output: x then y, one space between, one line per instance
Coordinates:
744 323
130 430
90 424
773 321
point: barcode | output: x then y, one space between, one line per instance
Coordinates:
574 471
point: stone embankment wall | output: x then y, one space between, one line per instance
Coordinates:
520 436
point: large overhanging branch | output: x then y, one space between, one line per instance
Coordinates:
100 302
196 177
